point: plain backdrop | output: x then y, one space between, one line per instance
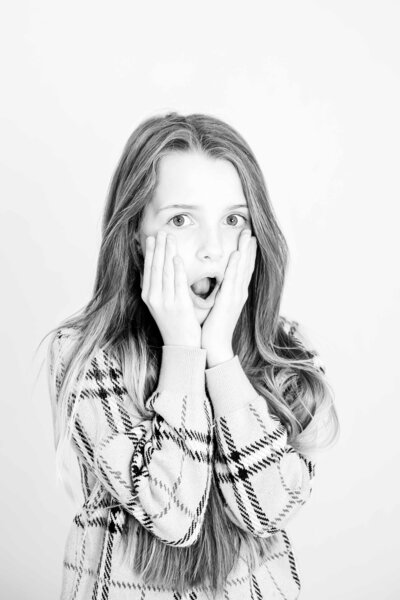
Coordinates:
314 87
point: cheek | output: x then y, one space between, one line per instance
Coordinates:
182 249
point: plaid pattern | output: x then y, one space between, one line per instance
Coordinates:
159 470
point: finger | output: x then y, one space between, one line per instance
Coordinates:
244 251
247 244
158 264
244 241
231 272
148 260
181 283
245 234
251 259
169 274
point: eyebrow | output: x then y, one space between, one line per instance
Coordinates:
193 206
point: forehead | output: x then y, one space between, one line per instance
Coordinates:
195 177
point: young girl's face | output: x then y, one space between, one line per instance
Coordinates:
207 231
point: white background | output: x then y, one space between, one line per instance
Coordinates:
314 87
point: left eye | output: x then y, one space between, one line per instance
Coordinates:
239 216
184 215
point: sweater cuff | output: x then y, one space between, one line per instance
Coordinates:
228 387
182 370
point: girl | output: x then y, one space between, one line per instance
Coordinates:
191 404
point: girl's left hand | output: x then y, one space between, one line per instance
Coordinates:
217 330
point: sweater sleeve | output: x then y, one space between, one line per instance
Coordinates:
158 469
264 481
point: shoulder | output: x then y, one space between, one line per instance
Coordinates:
69 341
96 363
60 349
63 339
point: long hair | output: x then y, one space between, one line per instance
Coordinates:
270 349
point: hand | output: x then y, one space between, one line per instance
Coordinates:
165 291
218 328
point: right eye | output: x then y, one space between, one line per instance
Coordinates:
176 217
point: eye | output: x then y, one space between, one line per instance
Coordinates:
177 217
184 215
237 215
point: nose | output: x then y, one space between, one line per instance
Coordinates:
210 246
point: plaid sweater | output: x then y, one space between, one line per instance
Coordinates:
160 470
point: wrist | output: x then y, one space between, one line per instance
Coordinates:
184 342
217 357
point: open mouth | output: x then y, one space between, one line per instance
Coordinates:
204 288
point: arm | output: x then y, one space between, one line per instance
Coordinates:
158 469
263 479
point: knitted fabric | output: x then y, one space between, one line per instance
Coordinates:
160 471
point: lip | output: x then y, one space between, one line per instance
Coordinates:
212 275
204 303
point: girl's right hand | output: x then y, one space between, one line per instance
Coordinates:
165 291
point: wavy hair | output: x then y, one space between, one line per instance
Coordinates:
270 348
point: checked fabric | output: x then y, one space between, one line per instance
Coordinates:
160 470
